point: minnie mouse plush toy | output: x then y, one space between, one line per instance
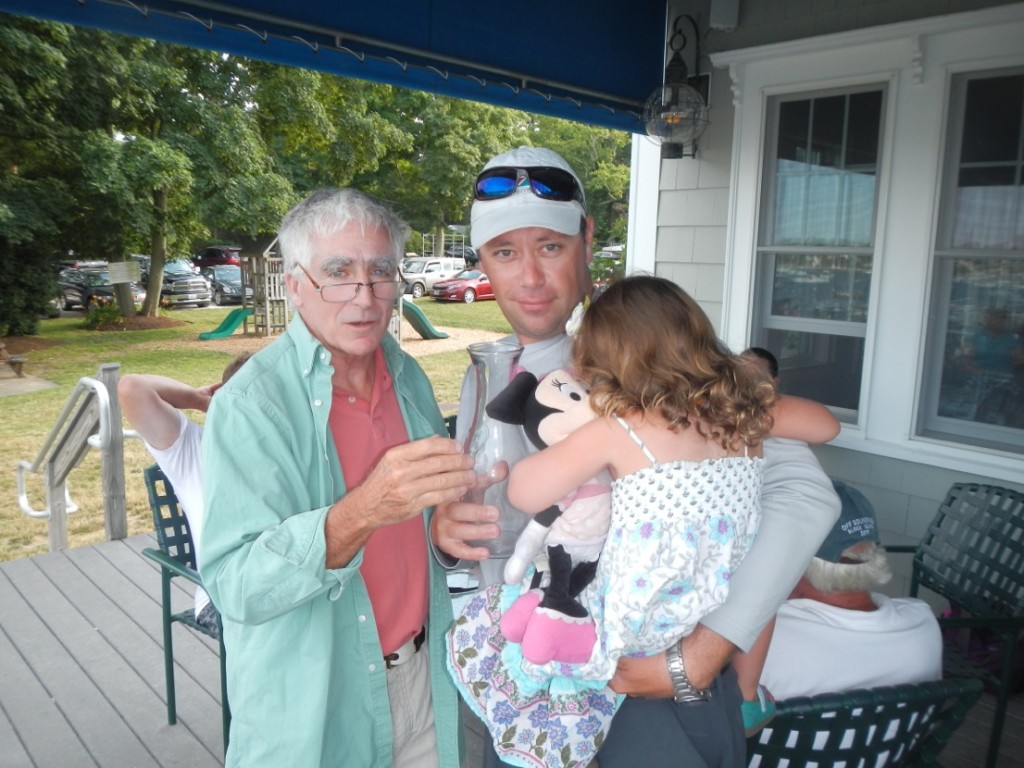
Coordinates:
549 620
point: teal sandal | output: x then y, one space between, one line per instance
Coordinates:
759 712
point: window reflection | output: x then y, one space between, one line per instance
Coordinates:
983 369
822 286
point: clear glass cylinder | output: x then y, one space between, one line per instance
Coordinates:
495 446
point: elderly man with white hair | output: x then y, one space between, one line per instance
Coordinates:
835 633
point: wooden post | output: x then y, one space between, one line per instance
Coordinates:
56 502
115 518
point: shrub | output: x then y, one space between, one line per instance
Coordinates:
103 313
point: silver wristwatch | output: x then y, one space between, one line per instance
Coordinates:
684 690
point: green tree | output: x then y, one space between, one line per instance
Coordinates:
33 205
430 183
112 144
602 158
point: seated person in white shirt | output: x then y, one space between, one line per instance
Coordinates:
153 406
835 634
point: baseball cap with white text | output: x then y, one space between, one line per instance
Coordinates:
856 523
523 208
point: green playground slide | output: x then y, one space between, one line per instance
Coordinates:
228 325
419 321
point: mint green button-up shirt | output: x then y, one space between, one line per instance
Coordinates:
306 681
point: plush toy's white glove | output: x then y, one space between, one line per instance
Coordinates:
529 544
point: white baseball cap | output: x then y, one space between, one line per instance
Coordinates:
523 207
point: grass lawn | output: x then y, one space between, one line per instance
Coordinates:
64 351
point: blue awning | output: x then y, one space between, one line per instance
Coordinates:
594 61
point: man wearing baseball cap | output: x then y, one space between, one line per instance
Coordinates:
835 634
534 240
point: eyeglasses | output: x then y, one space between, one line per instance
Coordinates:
339 293
546 183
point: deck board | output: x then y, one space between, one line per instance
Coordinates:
82 677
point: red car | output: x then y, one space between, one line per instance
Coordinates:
467 286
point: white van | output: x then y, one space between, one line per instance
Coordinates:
421 274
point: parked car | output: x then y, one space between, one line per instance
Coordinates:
217 255
226 283
462 251
183 285
63 264
467 286
87 287
421 274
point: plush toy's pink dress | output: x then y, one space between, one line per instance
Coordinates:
678 531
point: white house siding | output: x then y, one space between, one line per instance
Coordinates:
706 208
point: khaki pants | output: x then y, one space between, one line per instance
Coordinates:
412 713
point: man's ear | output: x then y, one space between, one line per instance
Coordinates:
509 405
588 240
291 284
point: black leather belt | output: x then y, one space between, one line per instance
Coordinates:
407 651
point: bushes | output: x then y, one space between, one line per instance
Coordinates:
103 313
26 287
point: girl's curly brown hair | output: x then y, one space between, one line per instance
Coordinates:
645 345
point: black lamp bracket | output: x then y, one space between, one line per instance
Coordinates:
677 42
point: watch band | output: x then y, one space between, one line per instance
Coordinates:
684 690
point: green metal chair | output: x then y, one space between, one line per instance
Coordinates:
900 725
973 555
177 557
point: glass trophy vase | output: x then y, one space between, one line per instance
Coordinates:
495 447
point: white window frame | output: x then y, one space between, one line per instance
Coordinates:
767 250
916 60
929 423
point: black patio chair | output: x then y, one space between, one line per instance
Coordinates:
177 557
973 555
900 725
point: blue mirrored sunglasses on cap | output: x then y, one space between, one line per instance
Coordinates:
546 183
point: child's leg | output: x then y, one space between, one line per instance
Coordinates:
758 705
748 665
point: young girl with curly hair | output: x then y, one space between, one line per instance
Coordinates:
679 426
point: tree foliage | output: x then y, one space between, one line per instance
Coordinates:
111 145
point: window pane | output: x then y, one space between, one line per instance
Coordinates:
815 247
988 207
794 120
818 206
828 131
825 165
822 286
983 361
992 123
973 384
862 137
819 366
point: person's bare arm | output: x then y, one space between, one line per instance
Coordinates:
704 655
541 479
799 419
151 404
424 473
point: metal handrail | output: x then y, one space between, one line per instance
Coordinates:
100 440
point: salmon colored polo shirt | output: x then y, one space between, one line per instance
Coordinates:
394 565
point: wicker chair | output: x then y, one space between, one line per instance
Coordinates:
973 555
176 557
901 725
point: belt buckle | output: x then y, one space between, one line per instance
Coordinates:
406 651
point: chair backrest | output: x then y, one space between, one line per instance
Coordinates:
172 531
973 551
896 725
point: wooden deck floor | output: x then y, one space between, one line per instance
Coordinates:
82 681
